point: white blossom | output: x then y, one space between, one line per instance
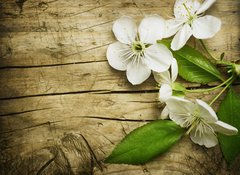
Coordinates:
189 20
200 119
166 80
136 50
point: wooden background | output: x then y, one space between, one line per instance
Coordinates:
63 108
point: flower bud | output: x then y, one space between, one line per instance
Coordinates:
236 68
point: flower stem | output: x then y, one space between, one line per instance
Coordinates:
205 48
222 91
209 89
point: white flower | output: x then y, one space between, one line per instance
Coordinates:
136 50
166 81
200 119
189 20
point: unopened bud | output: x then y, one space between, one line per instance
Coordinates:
237 69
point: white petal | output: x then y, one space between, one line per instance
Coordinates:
172 26
156 76
180 106
151 28
115 55
158 57
174 69
165 113
162 77
125 30
137 72
180 11
208 138
180 39
206 112
205 27
165 92
205 5
196 5
224 128
178 119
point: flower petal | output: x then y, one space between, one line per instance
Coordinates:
206 112
224 128
180 10
162 77
137 72
151 28
205 5
179 110
179 105
164 114
178 119
115 55
165 92
156 76
208 138
196 5
172 26
174 69
180 39
205 27
158 57
125 30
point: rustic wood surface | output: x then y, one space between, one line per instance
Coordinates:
63 108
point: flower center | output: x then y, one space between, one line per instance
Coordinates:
193 120
190 16
135 52
138 47
197 123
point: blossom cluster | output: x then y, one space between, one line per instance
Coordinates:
138 53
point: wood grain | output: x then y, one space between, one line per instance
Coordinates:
63 108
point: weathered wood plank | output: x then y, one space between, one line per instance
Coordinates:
63 38
97 76
63 108
95 117
56 116
72 78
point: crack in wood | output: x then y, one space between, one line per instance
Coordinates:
50 65
40 171
80 92
115 119
30 127
92 153
61 160
51 94
103 91
23 112
96 25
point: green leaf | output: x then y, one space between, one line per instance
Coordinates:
193 66
180 94
146 142
229 112
178 87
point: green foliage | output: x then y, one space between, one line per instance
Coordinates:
193 66
229 112
146 142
